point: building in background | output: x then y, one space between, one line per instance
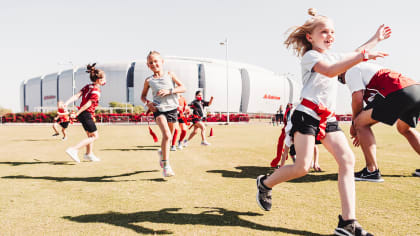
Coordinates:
252 89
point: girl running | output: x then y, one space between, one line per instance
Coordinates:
198 113
165 86
86 114
313 117
63 120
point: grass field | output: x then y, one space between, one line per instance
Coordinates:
213 193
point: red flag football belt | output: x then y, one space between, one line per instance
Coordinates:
322 112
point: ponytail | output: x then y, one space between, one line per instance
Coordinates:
94 74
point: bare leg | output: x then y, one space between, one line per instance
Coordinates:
316 159
284 155
166 135
194 132
363 123
87 142
336 143
55 127
304 145
411 134
63 130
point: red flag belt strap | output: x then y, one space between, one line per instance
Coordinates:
322 112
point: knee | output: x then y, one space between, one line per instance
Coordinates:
403 129
347 162
166 135
302 170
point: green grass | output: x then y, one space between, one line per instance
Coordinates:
213 192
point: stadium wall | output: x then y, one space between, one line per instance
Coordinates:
252 89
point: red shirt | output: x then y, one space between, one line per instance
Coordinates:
384 82
90 93
63 118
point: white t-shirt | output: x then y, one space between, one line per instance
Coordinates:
360 75
317 87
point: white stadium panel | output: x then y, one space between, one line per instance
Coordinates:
141 72
187 73
115 89
22 95
216 84
65 85
343 100
267 91
33 93
49 90
81 78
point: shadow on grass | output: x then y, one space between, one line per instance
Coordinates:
37 140
252 172
15 163
105 178
245 172
213 216
156 180
139 148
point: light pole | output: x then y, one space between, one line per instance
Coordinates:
73 83
225 43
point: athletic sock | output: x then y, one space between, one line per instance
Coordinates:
183 134
174 137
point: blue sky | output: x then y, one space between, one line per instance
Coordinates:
37 35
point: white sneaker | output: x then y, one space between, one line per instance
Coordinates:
185 143
173 148
160 158
180 146
91 157
167 171
205 143
64 139
73 154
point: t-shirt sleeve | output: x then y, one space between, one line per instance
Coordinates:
310 59
95 95
354 79
205 103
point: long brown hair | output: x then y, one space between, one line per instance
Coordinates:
297 36
94 74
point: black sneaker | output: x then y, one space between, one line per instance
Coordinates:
56 134
263 194
365 175
349 228
417 173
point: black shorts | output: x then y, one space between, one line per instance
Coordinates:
171 116
403 104
64 124
86 119
180 120
306 124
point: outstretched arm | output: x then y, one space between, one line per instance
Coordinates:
73 98
382 33
352 59
211 100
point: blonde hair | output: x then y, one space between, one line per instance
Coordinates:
297 36
153 53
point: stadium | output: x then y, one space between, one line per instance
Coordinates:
247 89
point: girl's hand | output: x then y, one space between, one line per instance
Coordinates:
163 92
374 55
151 106
383 32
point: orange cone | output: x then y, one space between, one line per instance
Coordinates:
211 132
